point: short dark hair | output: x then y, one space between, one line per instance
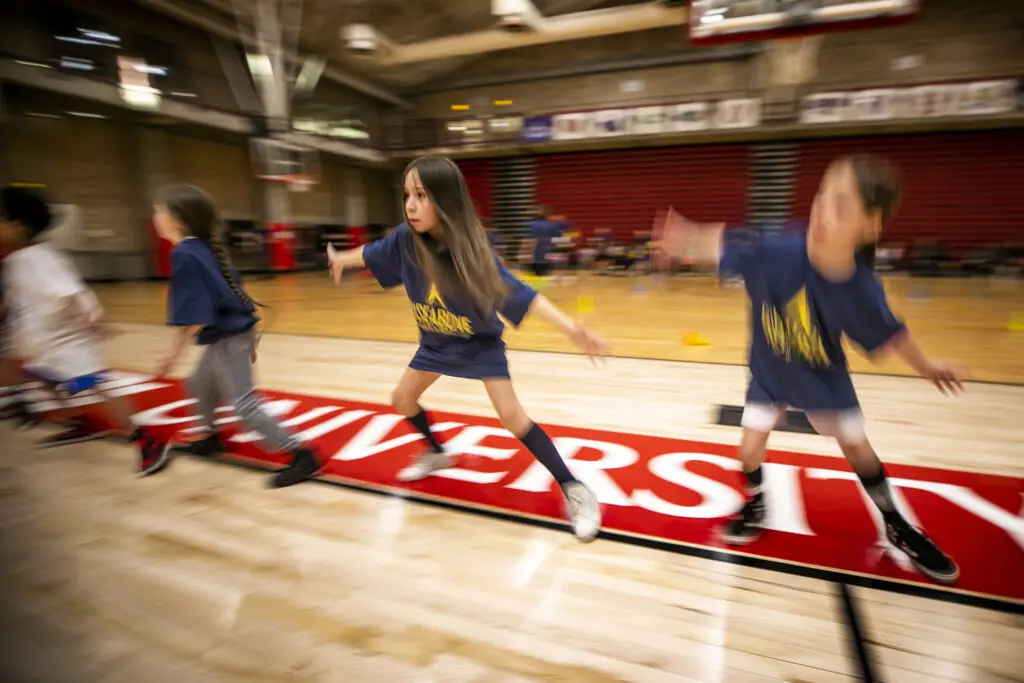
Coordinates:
878 183
22 205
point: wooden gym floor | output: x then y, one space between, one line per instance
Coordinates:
200 574
960 320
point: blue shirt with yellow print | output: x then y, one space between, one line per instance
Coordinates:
455 339
799 318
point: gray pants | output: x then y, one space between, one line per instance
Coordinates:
224 374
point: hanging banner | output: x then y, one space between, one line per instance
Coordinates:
571 126
740 113
924 101
870 105
536 129
686 117
826 107
611 123
649 120
988 97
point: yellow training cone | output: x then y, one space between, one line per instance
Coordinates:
696 339
585 304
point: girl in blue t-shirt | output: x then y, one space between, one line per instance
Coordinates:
208 304
808 290
458 287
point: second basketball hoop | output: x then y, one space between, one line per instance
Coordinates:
284 162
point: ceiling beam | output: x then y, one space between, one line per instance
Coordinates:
168 8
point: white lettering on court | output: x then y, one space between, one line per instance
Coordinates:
368 441
720 500
784 500
467 442
614 456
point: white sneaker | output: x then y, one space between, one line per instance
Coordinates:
425 465
584 511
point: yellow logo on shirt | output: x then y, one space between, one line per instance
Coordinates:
434 316
793 335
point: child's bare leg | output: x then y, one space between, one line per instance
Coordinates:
759 420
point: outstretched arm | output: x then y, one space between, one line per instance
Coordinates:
588 342
338 261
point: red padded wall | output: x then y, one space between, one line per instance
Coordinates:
959 188
477 173
623 189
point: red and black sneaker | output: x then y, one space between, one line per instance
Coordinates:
155 453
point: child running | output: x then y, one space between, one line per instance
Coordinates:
208 305
806 291
56 320
458 287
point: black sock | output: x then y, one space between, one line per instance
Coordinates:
544 450
753 487
422 424
877 486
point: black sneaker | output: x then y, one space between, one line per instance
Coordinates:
155 455
305 463
746 526
17 410
207 447
922 551
77 433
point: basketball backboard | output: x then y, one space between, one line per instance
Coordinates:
730 21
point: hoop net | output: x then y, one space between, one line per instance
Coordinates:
793 61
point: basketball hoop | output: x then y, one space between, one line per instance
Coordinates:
793 61
296 182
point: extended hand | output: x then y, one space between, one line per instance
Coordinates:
948 378
589 343
334 266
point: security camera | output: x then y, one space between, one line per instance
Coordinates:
361 39
516 16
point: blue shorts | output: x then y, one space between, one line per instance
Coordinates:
75 385
805 390
468 359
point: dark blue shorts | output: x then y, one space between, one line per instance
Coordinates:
805 390
72 386
469 359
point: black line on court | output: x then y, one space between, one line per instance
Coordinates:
857 642
703 552
796 421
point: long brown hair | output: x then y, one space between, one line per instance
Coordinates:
195 210
472 268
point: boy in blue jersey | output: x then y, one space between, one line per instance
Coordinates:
458 288
208 305
807 290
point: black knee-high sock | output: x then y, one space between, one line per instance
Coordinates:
877 486
544 450
422 424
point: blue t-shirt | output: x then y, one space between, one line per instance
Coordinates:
444 320
545 232
798 320
199 295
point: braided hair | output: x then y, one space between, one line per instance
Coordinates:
195 210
